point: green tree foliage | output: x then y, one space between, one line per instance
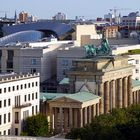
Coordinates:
37 126
120 124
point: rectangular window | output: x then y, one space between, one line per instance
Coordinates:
36 109
0 104
36 83
16 131
4 103
33 62
137 70
32 84
137 61
9 89
16 117
9 132
28 97
25 98
32 110
36 95
9 117
32 96
25 86
4 118
4 132
28 85
4 90
21 86
0 90
9 102
0 120
13 88
17 87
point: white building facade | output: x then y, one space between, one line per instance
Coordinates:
19 98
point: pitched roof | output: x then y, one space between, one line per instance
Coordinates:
80 96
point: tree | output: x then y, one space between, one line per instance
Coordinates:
37 126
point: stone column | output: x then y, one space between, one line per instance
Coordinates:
89 113
81 117
134 97
65 119
94 110
55 118
75 117
61 118
106 102
137 96
70 117
113 94
130 90
85 115
125 92
120 93
97 109
101 94
52 118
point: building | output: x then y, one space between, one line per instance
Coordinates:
35 57
132 20
66 111
59 16
110 31
97 85
19 98
23 16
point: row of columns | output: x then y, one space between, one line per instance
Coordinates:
63 119
115 93
136 97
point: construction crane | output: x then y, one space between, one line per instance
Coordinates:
115 10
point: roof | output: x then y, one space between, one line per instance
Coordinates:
79 96
135 83
64 81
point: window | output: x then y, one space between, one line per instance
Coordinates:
16 117
137 61
32 110
0 90
4 118
9 89
8 131
0 104
36 95
4 90
13 88
33 70
25 98
21 86
32 84
36 83
32 96
64 62
9 117
36 109
29 85
4 132
9 102
0 120
33 62
16 131
25 86
28 97
17 87
4 103
137 70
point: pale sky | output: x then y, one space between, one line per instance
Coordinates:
90 9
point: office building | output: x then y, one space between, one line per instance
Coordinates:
19 99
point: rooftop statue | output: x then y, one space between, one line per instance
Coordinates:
92 50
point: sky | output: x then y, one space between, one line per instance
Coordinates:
90 9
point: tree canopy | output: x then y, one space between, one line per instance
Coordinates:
122 124
36 126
